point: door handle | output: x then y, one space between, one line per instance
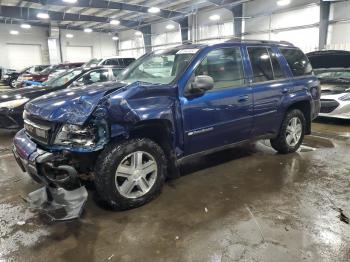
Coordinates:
242 99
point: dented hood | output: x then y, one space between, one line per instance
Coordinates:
73 105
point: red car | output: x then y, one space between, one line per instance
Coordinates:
45 74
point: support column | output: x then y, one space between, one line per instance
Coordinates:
324 23
54 44
147 37
237 12
184 29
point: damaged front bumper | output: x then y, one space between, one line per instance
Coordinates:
62 191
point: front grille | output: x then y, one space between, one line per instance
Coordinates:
38 129
328 105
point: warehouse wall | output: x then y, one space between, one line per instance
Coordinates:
101 44
339 32
34 36
211 31
130 45
163 38
298 24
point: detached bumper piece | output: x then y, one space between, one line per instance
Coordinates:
59 204
62 197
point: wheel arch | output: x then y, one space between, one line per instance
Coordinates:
162 132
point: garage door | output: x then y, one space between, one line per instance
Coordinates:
21 56
79 53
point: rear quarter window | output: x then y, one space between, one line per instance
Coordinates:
297 61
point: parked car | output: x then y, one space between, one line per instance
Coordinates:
45 75
132 134
110 61
10 78
333 69
12 102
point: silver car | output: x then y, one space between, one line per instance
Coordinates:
333 70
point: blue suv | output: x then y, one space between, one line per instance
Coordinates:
129 136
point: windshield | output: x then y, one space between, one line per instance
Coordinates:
48 70
336 74
92 62
62 78
160 67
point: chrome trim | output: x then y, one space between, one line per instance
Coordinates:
28 122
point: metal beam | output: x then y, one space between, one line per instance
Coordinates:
184 29
109 5
324 23
237 12
147 37
16 12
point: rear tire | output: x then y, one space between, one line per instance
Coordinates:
291 134
131 173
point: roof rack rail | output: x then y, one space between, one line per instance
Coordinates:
236 39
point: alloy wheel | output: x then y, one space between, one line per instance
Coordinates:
294 131
136 174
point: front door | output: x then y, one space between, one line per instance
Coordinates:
224 114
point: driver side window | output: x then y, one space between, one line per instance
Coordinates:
224 66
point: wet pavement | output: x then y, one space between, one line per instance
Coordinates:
244 204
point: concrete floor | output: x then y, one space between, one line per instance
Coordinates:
247 204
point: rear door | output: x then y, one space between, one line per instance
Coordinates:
270 85
222 115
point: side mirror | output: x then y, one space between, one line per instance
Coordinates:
201 84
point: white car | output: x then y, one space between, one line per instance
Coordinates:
333 69
336 106
110 61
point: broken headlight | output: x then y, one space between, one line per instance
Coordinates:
75 135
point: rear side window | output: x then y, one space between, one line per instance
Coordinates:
261 64
276 66
224 66
297 61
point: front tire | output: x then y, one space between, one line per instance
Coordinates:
291 134
131 173
12 83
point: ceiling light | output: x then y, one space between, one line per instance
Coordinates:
138 33
283 2
26 26
14 32
43 15
69 35
114 22
214 17
115 38
170 26
70 1
88 30
153 10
